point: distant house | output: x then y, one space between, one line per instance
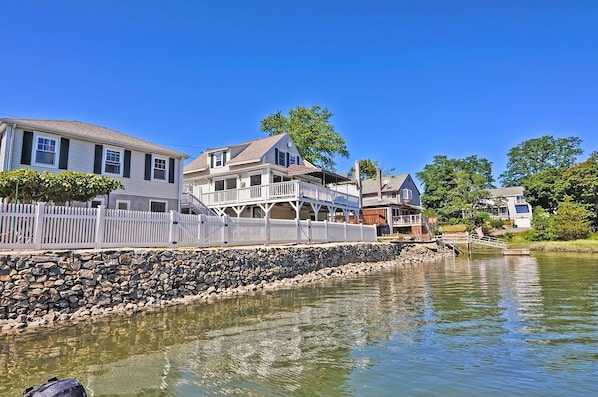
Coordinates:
393 204
508 203
151 174
267 178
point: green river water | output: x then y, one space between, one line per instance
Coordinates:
486 326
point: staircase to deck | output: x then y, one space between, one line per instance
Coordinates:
193 205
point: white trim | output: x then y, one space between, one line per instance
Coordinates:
165 159
101 200
127 202
158 201
36 137
121 160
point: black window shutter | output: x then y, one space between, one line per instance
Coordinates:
148 167
211 161
63 161
223 158
170 170
26 151
275 156
288 155
97 161
127 164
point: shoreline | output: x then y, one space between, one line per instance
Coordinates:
409 254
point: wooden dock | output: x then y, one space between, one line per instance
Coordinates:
515 251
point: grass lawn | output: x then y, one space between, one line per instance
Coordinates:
589 245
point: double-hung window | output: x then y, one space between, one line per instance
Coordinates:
160 168
407 194
113 162
46 151
218 159
282 158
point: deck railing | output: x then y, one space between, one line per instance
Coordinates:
407 220
278 192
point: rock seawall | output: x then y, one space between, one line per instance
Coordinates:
38 288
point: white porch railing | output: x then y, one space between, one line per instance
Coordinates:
40 226
278 192
407 220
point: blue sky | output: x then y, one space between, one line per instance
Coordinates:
405 80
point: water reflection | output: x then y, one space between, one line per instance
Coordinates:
489 325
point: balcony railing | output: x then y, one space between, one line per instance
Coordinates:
278 192
407 220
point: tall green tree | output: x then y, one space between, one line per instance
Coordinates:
571 221
456 188
580 183
310 129
539 154
543 189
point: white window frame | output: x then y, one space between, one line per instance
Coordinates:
101 200
292 159
154 168
219 159
223 181
126 202
159 201
105 159
54 138
406 194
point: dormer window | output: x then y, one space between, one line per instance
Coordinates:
407 194
217 159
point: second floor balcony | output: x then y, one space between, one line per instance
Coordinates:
275 193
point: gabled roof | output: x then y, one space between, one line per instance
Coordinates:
93 133
390 183
250 152
506 191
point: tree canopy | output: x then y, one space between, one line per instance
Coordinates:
580 184
368 169
310 129
455 188
539 154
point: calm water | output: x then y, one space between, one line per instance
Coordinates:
491 326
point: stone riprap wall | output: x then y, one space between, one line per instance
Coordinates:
38 288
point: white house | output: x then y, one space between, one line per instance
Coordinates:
267 178
508 203
151 174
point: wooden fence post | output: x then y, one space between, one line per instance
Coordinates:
100 220
38 226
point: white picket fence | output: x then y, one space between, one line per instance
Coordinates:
40 226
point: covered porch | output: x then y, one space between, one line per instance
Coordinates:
290 196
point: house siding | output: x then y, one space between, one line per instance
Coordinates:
137 190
